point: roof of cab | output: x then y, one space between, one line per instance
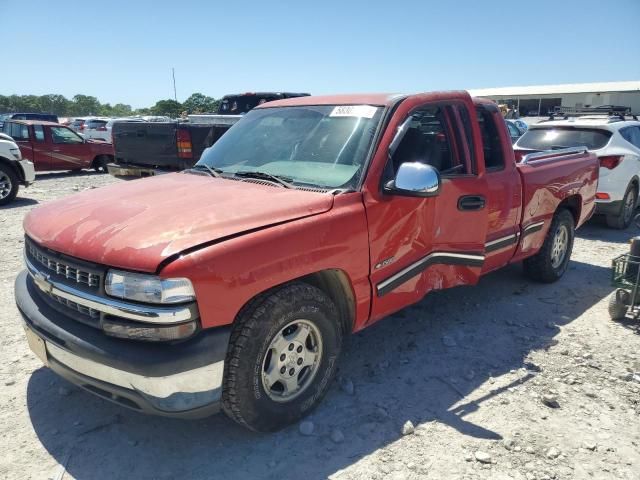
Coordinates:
32 122
379 99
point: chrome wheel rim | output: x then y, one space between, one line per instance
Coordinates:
292 360
5 185
629 203
559 247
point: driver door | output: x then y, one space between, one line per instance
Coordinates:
419 244
68 149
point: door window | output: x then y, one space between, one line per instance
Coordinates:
38 133
491 144
631 135
64 135
429 140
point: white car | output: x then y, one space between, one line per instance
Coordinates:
14 170
96 129
614 140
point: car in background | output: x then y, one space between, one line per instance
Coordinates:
241 103
14 170
47 117
78 124
521 124
616 142
51 146
514 132
96 129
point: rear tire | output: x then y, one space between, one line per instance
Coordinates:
618 304
9 184
550 263
624 218
100 164
268 384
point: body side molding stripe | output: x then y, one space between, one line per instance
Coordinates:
532 228
502 242
443 258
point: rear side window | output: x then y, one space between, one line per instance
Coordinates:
491 144
631 135
38 133
19 131
564 137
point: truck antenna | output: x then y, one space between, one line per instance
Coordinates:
173 74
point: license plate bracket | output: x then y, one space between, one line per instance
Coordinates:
37 345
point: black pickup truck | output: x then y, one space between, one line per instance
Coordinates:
145 149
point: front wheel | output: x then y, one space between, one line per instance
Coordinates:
550 263
282 355
9 184
100 164
618 304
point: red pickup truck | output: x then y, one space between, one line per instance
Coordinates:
233 284
51 146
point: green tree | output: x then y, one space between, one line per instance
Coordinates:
200 103
85 105
167 107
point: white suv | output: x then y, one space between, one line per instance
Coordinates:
614 140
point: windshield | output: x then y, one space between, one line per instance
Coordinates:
323 146
561 137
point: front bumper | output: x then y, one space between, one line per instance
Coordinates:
178 380
28 172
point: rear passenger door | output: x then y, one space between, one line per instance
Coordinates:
41 150
504 191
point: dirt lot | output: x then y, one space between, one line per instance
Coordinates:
468 367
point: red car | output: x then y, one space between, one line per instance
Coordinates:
51 146
232 284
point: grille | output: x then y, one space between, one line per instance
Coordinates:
62 268
74 306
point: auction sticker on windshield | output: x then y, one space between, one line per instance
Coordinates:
363 111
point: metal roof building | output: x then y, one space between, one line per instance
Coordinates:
541 99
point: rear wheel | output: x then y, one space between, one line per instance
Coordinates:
9 184
624 218
100 164
282 356
550 263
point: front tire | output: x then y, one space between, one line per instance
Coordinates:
550 263
624 218
9 184
100 164
282 355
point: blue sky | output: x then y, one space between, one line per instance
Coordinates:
123 51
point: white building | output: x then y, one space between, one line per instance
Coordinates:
541 99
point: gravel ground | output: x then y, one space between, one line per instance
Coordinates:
506 380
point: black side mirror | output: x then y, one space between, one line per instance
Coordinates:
415 179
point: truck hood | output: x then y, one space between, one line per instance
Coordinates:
137 224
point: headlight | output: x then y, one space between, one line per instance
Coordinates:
148 288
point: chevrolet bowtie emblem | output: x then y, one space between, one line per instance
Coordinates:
42 281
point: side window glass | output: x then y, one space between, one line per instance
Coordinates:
19 131
427 141
632 135
491 144
64 135
38 132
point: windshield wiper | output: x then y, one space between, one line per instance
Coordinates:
215 172
282 180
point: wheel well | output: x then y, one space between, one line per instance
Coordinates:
98 157
336 284
574 205
13 167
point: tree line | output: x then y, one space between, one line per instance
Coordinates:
85 105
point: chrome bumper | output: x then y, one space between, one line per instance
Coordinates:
129 311
28 170
188 392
